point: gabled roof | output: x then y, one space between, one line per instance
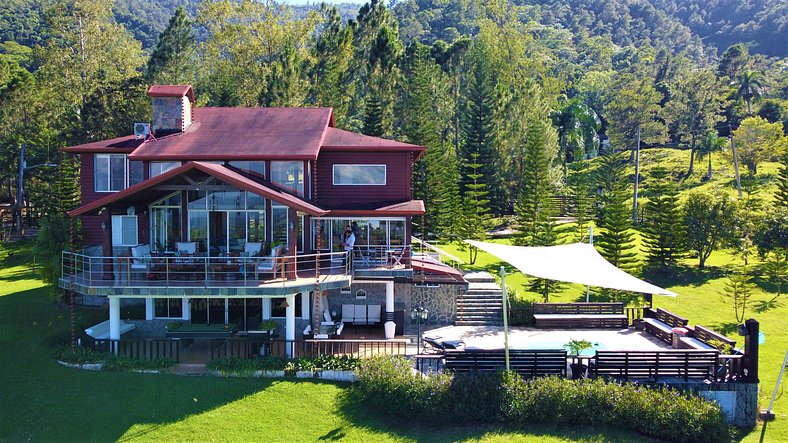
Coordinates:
243 133
221 172
339 139
120 145
171 91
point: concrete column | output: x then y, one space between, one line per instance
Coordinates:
226 310
114 321
266 309
149 309
290 323
389 326
186 311
305 306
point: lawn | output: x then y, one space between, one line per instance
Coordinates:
43 401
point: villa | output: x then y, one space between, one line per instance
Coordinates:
235 216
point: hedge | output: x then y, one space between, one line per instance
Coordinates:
394 387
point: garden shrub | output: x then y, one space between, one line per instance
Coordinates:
79 356
121 363
392 386
235 365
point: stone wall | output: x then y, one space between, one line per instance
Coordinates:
441 301
739 401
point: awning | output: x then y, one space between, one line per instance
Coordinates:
575 263
429 266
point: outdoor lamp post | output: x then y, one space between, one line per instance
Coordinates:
419 313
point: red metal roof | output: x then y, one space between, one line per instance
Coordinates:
219 171
429 267
338 139
243 133
121 145
171 91
410 207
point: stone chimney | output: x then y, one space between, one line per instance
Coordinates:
172 108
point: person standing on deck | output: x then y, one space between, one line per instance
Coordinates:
348 241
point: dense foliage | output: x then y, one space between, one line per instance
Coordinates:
391 386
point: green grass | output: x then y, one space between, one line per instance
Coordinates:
41 400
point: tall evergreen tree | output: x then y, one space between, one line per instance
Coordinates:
782 183
616 242
331 74
285 85
579 185
172 60
476 206
534 212
663 228
373 116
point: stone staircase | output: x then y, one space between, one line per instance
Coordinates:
481 304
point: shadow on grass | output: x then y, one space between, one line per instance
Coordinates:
725 328
685 276
363 415
762 306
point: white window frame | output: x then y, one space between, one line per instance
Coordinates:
108 157
117 230
334 174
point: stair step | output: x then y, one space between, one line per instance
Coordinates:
479 277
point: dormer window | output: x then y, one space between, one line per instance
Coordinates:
359 175
288 175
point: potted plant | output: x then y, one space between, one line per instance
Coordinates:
268 325
575 348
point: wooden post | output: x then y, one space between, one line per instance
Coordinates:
751 350
106 245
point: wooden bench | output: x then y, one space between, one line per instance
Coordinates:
580 315
662 324
528 363
652 365
702 338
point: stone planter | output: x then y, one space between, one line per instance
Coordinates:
88 366
348 376
307 374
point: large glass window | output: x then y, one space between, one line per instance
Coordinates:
279 224
225 220
158 168
255 226
165 224
254 167
109 174
288 175
135 172
124 230
168 307
198 229
374 175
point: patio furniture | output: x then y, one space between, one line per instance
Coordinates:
526 362
652 365
140 260
662 324
271 264
361 314
701 338
433 345
580 315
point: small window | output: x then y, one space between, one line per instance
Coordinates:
168 307
158 168
359 175
109 171
361 294
124 230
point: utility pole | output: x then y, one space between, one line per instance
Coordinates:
20 190
637 180
735 161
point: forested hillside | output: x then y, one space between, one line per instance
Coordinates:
517 103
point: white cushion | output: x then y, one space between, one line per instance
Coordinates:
373 313
347 313
327 316
360 313
253 248
340 328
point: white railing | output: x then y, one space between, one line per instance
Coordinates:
196 271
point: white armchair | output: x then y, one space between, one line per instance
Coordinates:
140 259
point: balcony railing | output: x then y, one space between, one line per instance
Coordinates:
381 256
172 271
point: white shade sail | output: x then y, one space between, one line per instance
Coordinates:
574 263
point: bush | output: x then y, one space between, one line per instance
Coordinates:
121 363
79 356
392 386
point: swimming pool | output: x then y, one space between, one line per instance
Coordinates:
529 344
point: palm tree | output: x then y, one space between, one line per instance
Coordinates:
749 86
709 143
577 125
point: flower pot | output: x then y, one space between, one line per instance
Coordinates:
578 370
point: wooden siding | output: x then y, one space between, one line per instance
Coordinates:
397 188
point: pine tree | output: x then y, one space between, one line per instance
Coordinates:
172 60
616 242
284 85
579 184
534 212
476 207
373 116
664 234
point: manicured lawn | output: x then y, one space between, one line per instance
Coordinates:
43 401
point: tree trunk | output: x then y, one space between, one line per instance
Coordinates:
692 156
709 173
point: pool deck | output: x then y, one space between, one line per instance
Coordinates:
491 337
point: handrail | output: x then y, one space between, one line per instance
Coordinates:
196 271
